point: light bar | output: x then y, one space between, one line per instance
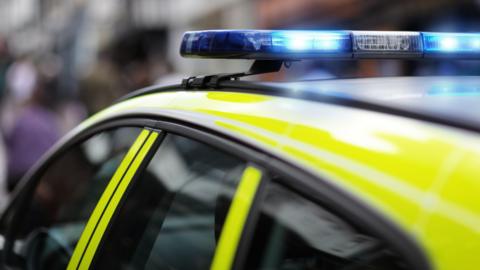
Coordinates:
297 45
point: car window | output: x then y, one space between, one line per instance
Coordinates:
296 233
55 214
174 211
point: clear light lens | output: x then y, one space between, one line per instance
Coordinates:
368 42
451 43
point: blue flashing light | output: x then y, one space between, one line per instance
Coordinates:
311 41
263 44
296 45
451 43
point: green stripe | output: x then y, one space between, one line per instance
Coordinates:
115 200
102 203
236 218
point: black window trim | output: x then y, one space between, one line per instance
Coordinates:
305 182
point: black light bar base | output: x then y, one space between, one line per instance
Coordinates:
212 81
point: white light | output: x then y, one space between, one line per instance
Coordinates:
306 41
326 43
448 43
475 44
299 42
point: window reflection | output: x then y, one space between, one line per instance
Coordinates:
64 198
175 210
296 233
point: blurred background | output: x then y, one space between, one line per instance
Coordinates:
63 60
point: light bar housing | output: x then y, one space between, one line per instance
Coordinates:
297 45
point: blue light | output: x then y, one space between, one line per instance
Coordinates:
311 41
475 43
451 43
262 44
448 44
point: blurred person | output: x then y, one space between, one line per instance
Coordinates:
101 86
3 176
20 80
140 57
5 61
166 74
137 74
33 128
69 110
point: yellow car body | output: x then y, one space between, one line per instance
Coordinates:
421 176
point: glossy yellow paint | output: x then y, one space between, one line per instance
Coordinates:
236 218
451 226
424 177
91 225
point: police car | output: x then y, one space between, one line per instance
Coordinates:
221 173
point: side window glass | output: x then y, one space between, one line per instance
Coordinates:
174 211
53 219
296 233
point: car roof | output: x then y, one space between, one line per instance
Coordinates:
455 98
448 100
